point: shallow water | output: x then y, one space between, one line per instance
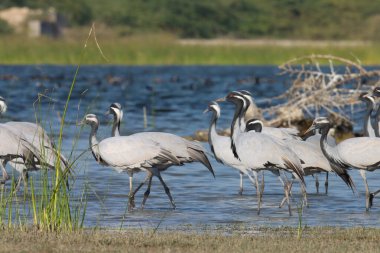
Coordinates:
174 98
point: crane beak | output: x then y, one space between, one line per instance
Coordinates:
108 112
81 123
223 99
207 110
309 130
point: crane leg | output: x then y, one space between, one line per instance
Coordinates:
241 183
258 195
304 194
167 191
287 189
371 196
147 192
142 183
283 184
367 195
5 174
327 183
131 197
22 178
317 182
256 183
26 179
18 185
262 186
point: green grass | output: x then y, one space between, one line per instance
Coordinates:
50 197
267 240
163 49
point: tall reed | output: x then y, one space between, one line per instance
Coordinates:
51 203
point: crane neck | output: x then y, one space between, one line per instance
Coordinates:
116 126
235 127
93 141
212 133
377 122
329 151
369 130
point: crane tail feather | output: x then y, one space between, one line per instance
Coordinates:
296 169
200 156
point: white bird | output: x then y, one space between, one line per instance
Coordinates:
184 150
131 154
36 136
362 153
259 151
220 147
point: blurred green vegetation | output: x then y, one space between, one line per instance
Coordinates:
158 49
5 28
322 19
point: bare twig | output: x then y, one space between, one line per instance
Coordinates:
315 90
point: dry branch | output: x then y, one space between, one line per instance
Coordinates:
332 90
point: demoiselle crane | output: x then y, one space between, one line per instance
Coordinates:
362 153
131 154
259 151
277 132
36 136
312 157
282 133
313 161
184 150
220 147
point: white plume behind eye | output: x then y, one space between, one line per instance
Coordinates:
376 90
118 113
372 99
321 120
216 108
91 118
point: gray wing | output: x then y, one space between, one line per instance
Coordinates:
175 144
186 151
133 152
11 144
310 154
259 151
34 134
360 152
